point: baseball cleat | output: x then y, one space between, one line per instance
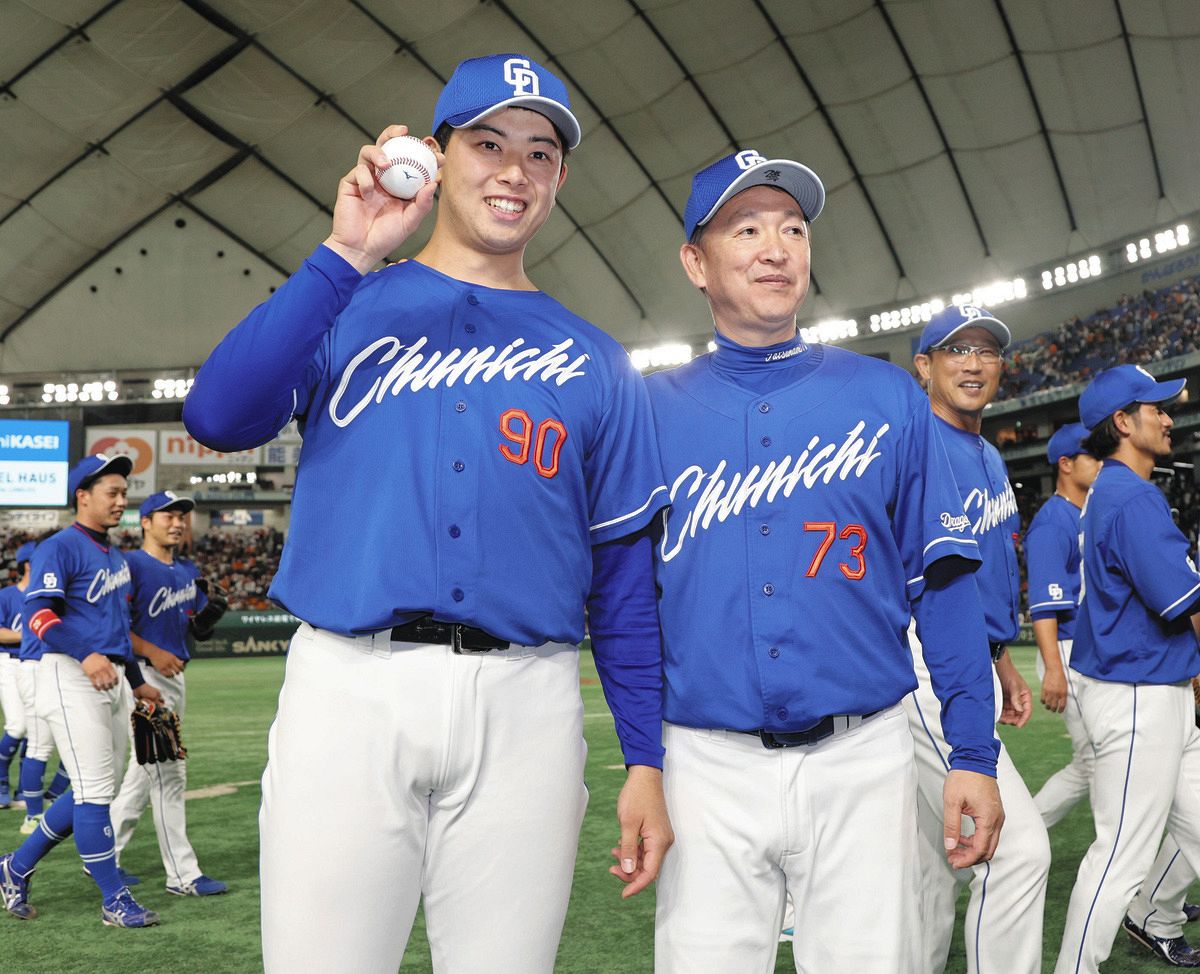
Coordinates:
14 891
1191 911
122 910
29 826
1174 950
127 879
200 886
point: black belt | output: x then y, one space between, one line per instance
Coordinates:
464 639
806 738
997 651
116 659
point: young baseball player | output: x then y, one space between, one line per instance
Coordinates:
485 461
812 513
15 718
167 603
77 605
959 362
1134 653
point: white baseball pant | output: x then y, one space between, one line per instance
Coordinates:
1147 776
88 726
1068 785
39 742
1008 894
162 785
1158 907
15 720
456 779
830 824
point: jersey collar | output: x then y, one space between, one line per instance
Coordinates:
730 357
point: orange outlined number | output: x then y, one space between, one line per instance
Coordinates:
549 437
829 529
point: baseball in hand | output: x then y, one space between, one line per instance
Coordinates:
411 164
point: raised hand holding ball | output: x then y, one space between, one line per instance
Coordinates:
411 164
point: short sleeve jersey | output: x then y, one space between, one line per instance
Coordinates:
163 600
11 601
1052 558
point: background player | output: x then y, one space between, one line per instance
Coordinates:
167 603
808 487
1134 655
15 718
77 605
960 360
493 450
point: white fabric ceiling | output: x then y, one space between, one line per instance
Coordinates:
959 140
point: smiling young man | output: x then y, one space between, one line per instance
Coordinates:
809 490
478 463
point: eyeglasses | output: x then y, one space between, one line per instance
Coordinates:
960 353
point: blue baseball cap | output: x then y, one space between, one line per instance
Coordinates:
97 465
1067 441
1122 386
165 500
25 552
954 318
725 178
483 85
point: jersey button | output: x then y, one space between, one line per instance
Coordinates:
459 466
470 328
460 407
457 594
764 529
764 407
472 299
782 713
766 441
455 531
768 589
773 652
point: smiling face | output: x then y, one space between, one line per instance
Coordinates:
164 528
1149 428
960 387
101 505
752 261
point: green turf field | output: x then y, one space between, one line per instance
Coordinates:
231 704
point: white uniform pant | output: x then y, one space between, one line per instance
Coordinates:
1008 894
15 720
39 742
88 726
1158 907
833 824
1067 786
1147 776
401 771
162 785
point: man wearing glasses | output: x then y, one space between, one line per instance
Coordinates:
959 361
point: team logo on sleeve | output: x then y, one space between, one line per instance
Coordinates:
50 580
1056 590
953 522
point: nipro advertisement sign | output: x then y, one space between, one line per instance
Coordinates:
33 462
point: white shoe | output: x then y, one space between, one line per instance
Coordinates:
29 826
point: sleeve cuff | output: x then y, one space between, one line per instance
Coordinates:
651 758
978 765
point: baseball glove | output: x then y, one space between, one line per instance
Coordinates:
157 735
204 621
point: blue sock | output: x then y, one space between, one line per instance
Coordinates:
94 840
8 747
33 772
59 785
56 825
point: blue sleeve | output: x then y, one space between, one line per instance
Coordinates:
928 520
1048 556
1153 553
253 381
54 637
954 637
133 672
623 622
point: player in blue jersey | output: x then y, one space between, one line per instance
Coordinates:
167 604
1134 653
77 605
813 512
959 361
478 463
1052 560
16 720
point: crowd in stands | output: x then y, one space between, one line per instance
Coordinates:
1153 326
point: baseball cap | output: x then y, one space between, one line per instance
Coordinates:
1067 441
25 552
713 186
165 500
482 85
1117 388
89 468
954 318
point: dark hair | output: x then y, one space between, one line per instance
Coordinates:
1102 442
445 130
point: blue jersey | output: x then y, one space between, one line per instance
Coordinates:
163 600
803 519
1138 585
990 507
1052 560
464 447
31 646
11 600
93 580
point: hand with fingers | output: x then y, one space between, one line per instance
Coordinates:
646 832
977 796
99 669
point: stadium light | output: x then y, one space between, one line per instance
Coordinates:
828 332
660 356
1163 242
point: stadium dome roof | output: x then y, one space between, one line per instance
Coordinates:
957 139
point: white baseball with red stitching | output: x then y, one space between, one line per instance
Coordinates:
411 164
